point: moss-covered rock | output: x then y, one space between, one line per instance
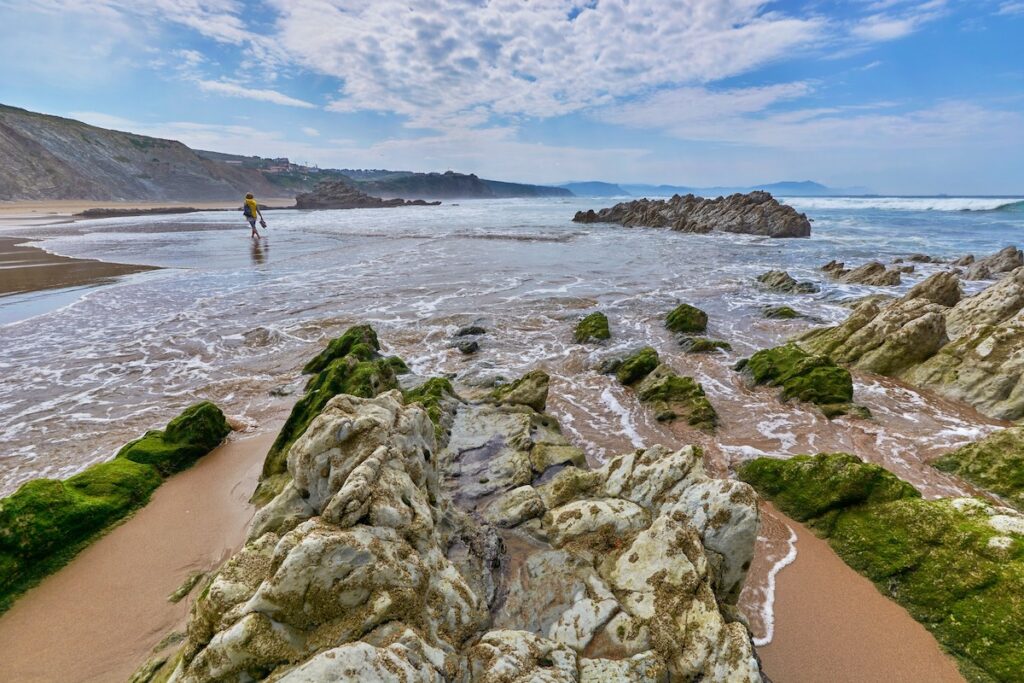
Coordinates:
529 390
687 319
432 395
995 463
188 437
703 345
360 341
594 327
780 313
638 365
47 521
804 377
675 397
956 565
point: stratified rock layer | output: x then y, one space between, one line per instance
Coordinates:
495 557
756 213
337 194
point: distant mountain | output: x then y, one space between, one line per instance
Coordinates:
657 190
790 188
451 185
595 188
49 157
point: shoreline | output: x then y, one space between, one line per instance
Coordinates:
99 617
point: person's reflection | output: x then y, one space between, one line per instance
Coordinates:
259 252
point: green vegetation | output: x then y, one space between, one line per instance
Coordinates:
188 437
673 396
638 366
360 341
780 313
804 377
995 463
703 345
47 522
687 319
431 395
529 390
945 561
594 327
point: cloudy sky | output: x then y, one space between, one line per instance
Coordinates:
901 96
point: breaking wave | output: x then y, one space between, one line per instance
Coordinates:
907 203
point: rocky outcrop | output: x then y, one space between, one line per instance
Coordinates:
873 273
493 555
756 213
686 319
995 463
669 394
997 264
338 194
972 351
593 327
955 564
783 282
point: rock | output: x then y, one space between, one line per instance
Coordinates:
835 269
941 288
646 667
906 270
964 260
923 258
703 345
994 305
756 213
1001 262
686 319
804 377
604 518
520 657
515 507
339 194
672 396
781 281
951 562
470 330
995 463
637 366
780 313
409 659
188 437
873 273
529 390
594 327
468 347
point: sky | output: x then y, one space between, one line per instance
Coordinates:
899 96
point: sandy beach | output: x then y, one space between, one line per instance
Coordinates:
832 624
12 213
99 618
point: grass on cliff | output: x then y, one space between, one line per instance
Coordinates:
942 560
46 522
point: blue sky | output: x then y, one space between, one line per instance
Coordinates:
901 96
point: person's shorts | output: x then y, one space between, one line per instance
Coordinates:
252 222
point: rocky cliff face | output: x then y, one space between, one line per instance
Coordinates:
337 194
971 349
48 157
426 537
756 213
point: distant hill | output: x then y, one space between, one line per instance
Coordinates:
595 188
790 188
449 185
49 157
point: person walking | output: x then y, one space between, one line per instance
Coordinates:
251 210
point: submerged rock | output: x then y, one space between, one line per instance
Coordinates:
637 366
781 281
780 313
594 327
686 319
703 345
804 377
339 194
955 564
756 213
674 397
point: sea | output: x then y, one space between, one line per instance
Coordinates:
231 319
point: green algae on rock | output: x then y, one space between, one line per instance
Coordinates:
638 365
686 319
432 395
594 327
780 313
529 390
188 437
703 345
46 522
673 396
957 565
359 340
804 377
995 463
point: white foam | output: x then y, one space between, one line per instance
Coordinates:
768 606
900 203
625 419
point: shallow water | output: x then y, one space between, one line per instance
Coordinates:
230 320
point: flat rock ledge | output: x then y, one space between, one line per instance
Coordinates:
337 194
756 213
495 555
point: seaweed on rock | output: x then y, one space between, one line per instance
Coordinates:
593 327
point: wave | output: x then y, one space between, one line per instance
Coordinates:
1006 204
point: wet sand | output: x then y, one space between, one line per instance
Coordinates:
832 624
99 618
25 268
57 209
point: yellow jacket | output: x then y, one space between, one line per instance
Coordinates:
254 210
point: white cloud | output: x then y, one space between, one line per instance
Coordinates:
311 132
1012 8
236 90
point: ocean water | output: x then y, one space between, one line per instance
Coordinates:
231 320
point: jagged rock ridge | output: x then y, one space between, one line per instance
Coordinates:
338 194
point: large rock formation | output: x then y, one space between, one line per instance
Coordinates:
337 194
493 554
871 273
995 463
997 264
756 213
971 349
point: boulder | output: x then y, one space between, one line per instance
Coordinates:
675 397
941 288
529 390
756 213
804 377
686 319
783 282
593 327
1003 261
873 273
